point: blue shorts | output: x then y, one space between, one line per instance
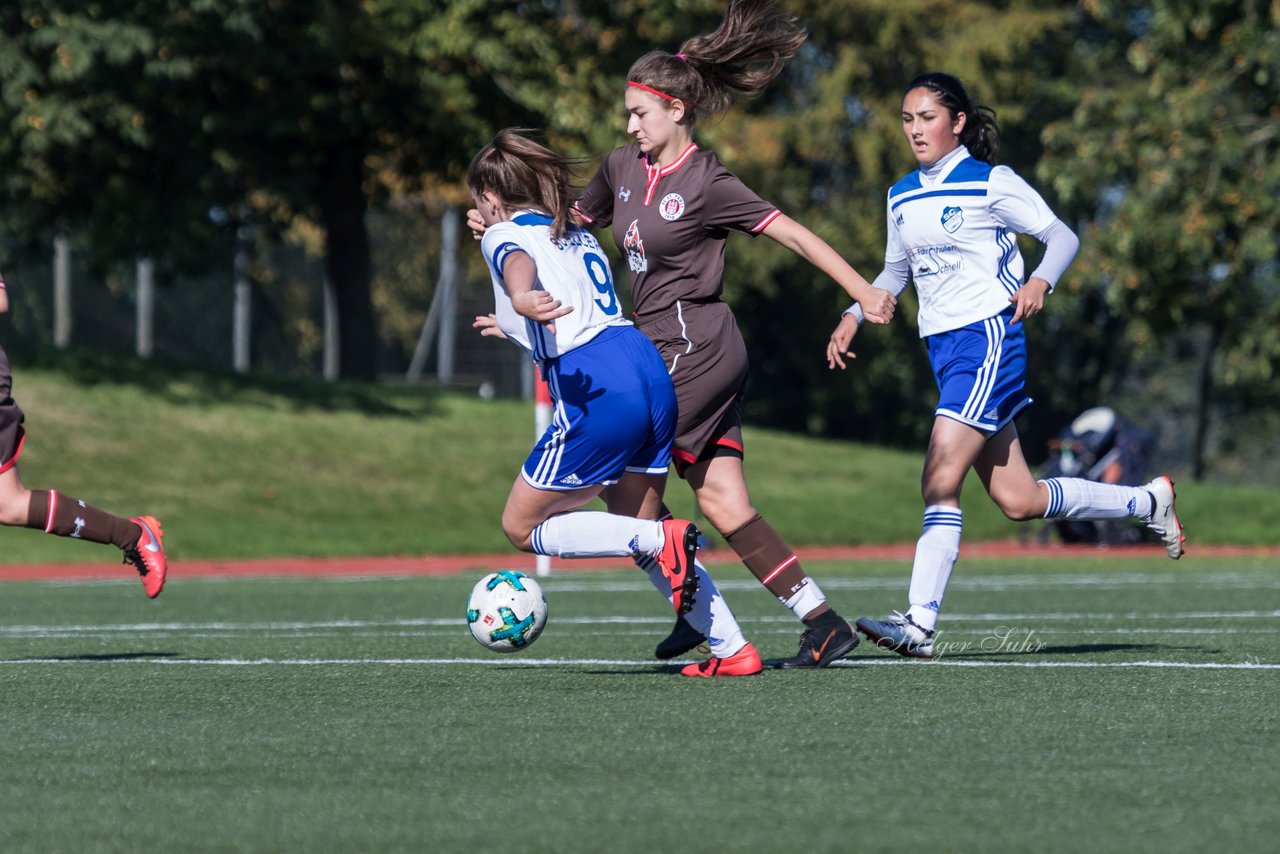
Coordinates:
980 370
614 410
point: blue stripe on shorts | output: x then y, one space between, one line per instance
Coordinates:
980 370
614 411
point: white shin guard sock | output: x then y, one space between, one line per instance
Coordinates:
806 599
591 533
936 554
1077 498
710 614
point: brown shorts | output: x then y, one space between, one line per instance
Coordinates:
11 433
707 359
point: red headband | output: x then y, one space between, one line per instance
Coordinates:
652 91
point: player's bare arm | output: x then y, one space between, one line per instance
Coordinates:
841 339
1029 298
520 274
877 305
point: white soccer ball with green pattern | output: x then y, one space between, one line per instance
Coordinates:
506 611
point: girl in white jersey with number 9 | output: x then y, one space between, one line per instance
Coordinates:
615 407
951 230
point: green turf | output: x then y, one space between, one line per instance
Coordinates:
358 715
246 467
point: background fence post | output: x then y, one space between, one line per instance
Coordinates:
144 332
241 313
61 292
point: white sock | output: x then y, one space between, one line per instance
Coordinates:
804 600
1077 498
592 533
710 613
936 554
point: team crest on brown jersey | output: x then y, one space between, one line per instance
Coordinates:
671 207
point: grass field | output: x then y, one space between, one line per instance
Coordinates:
242 467
1132 706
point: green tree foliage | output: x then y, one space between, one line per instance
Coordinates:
129 121
97 138
1172 158
1150 125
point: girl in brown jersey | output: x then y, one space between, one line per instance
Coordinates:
671 205
55 513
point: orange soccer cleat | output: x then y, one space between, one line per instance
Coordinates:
744 662
147 555
676 560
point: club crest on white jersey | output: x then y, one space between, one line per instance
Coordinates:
952 219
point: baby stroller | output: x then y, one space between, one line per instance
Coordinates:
1099 446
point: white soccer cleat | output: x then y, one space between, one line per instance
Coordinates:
898 633
1164 519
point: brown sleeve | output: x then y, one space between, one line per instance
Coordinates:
595 205
733 205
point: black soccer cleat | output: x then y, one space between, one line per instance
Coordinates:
682 639
821 646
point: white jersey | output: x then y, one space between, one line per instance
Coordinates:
957 229
573 269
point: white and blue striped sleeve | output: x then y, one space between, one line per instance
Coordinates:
1016 204
497 246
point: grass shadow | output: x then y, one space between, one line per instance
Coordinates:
184 385
104 656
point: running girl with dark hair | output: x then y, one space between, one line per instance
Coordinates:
615 407
53 512
952 228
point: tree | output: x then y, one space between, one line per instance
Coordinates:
1171 157
131 119
97 138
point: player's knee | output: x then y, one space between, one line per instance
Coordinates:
13 507
1020 507
519 534
519 540
726 516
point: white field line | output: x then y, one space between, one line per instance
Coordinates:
292 628
607 662
582 583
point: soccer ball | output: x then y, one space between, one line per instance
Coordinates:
506 611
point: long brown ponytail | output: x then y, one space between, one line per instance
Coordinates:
740 57
524 174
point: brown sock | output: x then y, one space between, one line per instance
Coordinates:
64 516
769 558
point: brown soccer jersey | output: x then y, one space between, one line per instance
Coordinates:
671 222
